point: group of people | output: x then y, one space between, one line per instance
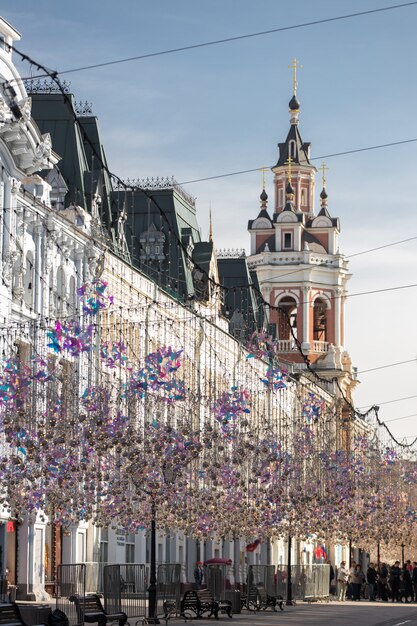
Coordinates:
385 583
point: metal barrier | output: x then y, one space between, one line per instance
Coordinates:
309 582
4 592
262 575
215 576
168 588
125 589
70 581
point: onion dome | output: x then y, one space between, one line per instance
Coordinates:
263 196
294 104
323 194
289 190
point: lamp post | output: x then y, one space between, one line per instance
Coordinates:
152 601
402 554
289 600
378 556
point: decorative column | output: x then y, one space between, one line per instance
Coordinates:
305 345
37 288
338 293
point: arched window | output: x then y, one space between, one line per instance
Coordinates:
320 320
287 318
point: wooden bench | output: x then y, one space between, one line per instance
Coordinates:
90 609
10 615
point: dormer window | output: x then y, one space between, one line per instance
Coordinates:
287 241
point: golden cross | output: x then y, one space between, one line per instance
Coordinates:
263 170
323 168
288 162
294 66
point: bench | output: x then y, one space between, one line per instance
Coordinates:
209 604
10 615
265 600
200 602
90 609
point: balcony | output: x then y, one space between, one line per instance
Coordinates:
289 345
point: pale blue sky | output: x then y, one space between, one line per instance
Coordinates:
224 108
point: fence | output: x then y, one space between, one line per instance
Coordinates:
125 589
169 585
70 581
215 576
262 575
308 582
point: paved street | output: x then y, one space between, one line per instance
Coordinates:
332 613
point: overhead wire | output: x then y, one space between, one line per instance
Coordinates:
232 39
54 77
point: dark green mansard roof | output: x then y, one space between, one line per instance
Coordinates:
83 173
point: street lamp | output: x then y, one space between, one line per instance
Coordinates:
152 600
289 600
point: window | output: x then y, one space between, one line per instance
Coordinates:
320 320
104 546
304 197
130 549
287 241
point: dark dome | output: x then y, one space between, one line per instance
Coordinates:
294 104
289 188
264 196
323 194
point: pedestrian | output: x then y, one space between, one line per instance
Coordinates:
358 578
349 590
371 578
198 575
407 584
342 581
414 580
395 581
383 582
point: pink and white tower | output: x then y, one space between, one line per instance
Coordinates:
295 253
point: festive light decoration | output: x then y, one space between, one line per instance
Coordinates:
312 408
93 297
275 378
214 459
71 337
113 354
228 408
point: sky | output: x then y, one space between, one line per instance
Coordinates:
221 109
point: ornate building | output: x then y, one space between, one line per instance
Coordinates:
295 252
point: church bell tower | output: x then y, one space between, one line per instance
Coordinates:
295 252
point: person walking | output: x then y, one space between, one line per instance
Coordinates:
394 581
371 578
414 580
349 590
357 581
407 584
198 575
383 582
342 581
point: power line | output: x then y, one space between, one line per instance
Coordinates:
396 419
231 39
392 401
323 156
382 367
